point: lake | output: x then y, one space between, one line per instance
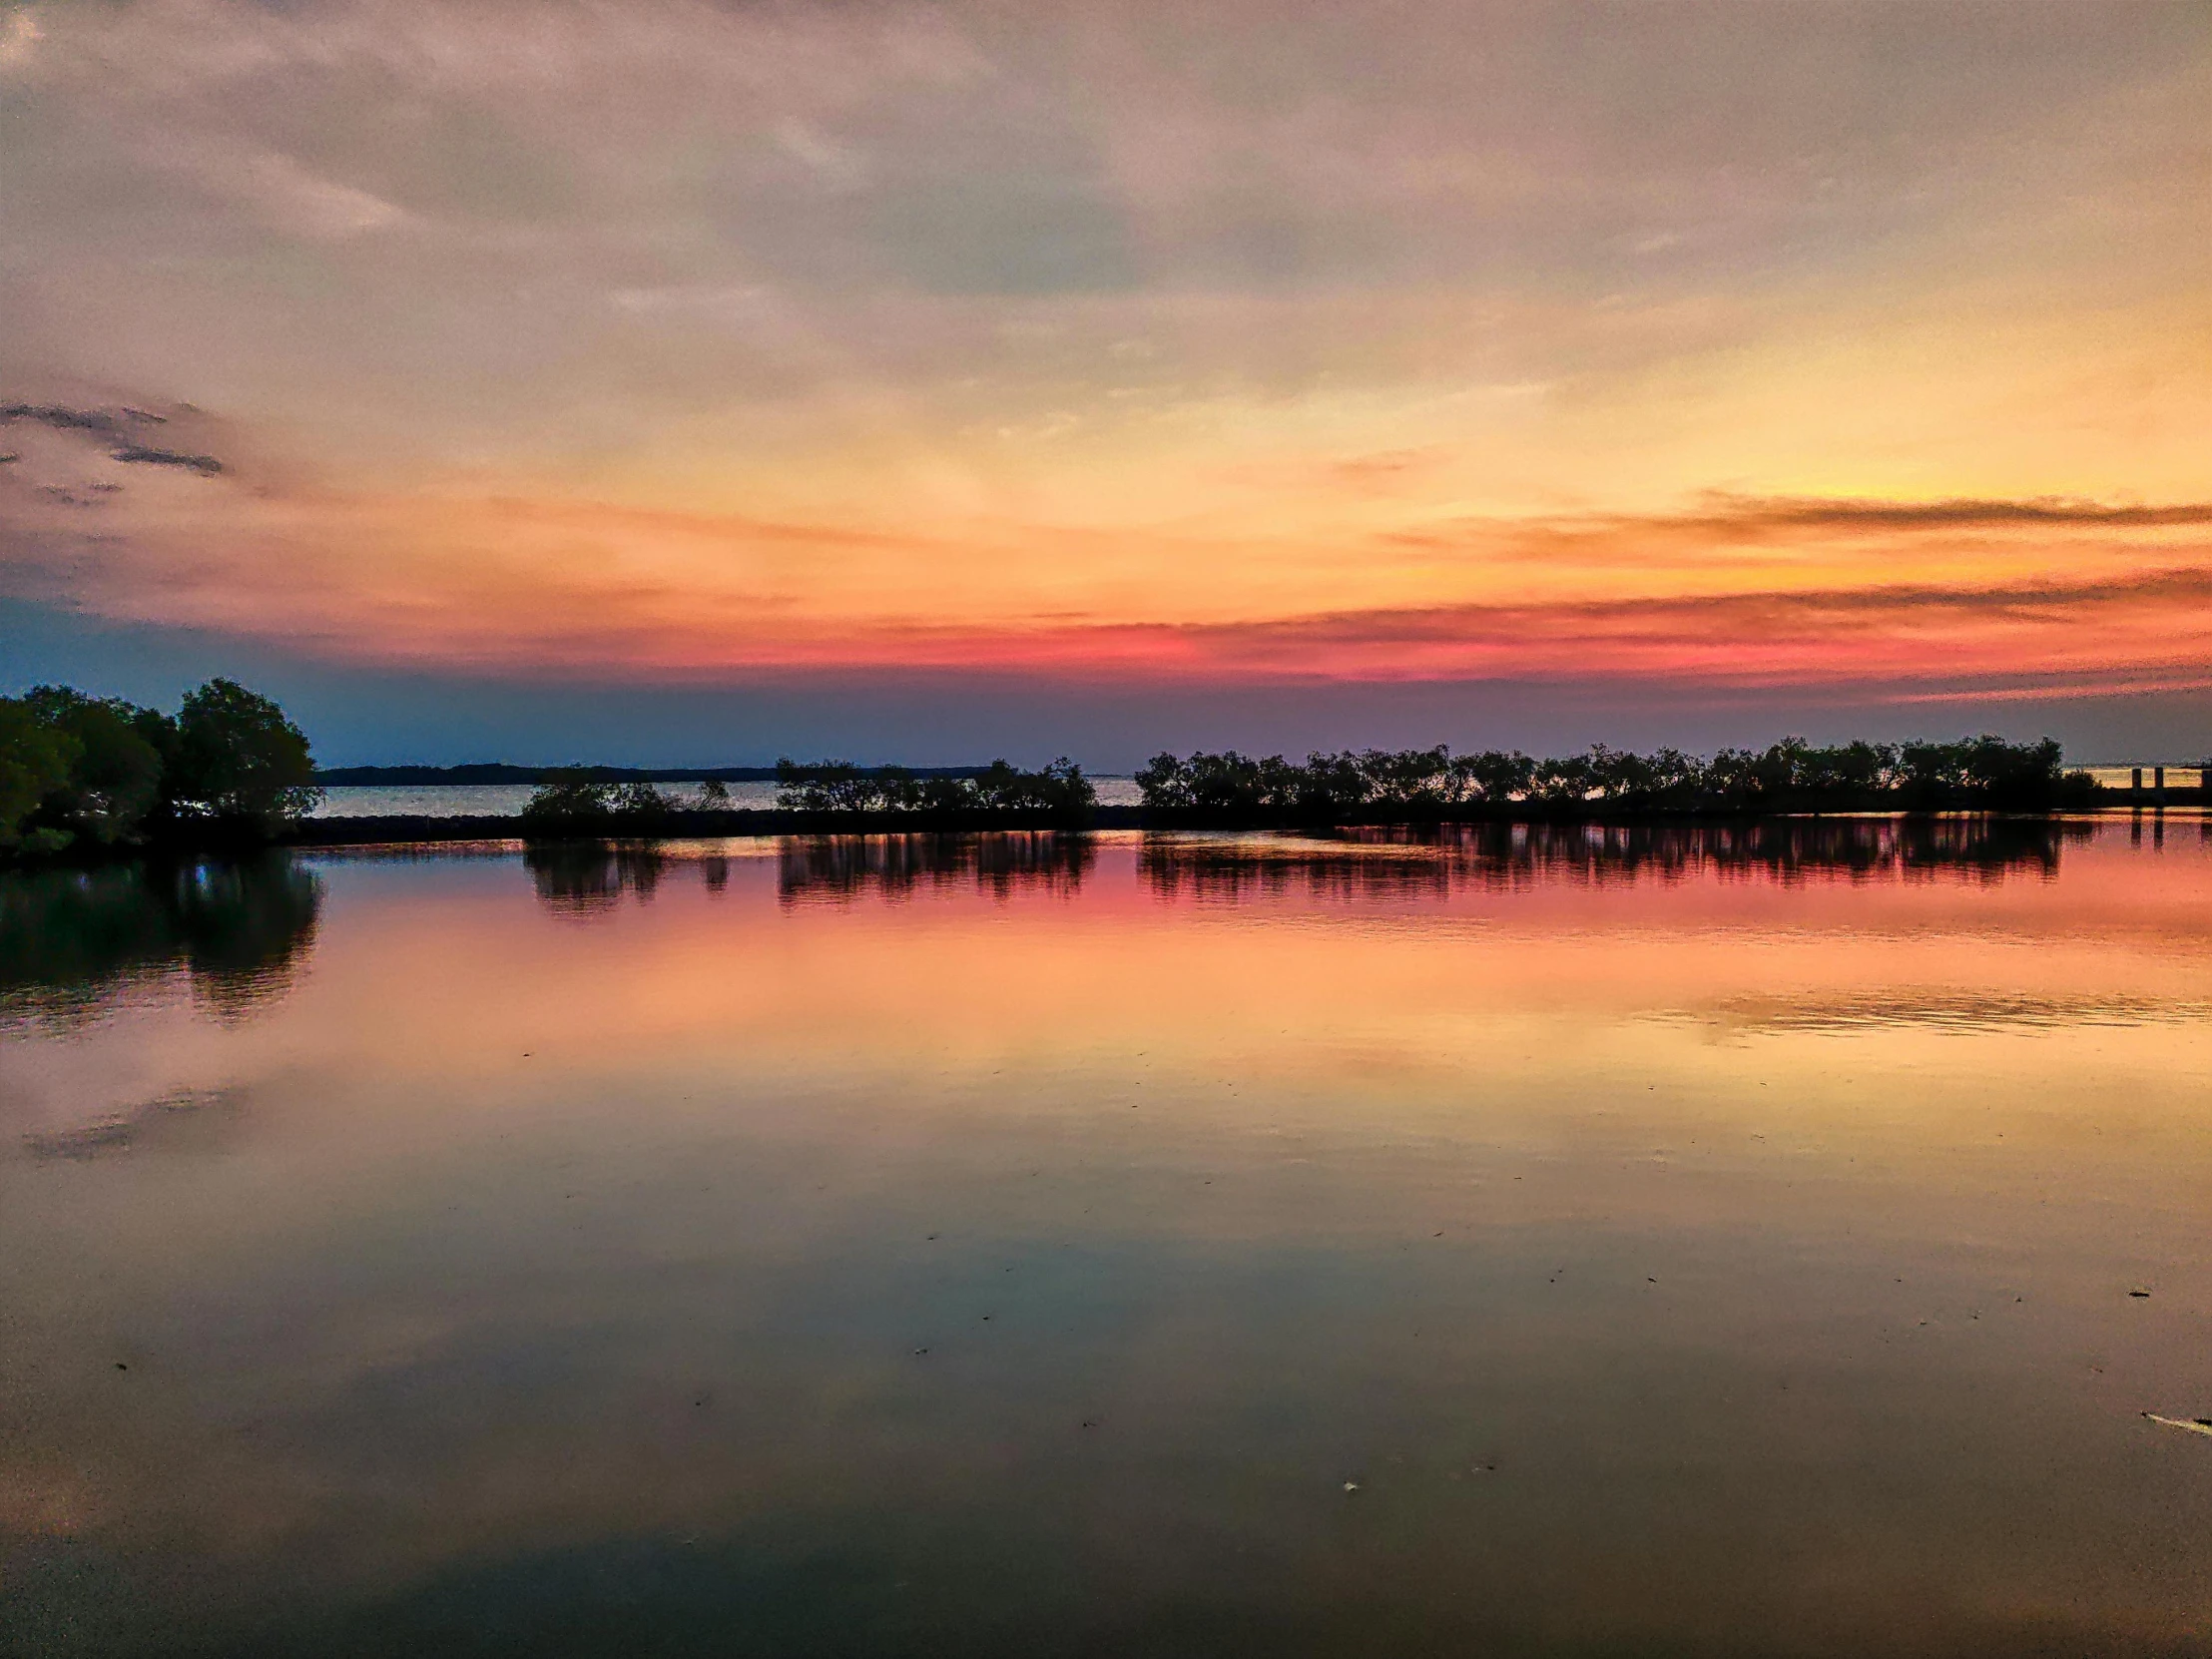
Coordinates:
1753 1241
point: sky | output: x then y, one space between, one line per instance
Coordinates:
672 381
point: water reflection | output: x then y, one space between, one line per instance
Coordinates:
892 867
1941 1008
894 1247
595 878
118 1131
586 878
72 940
1382 862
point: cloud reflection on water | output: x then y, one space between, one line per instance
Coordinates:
862 1234
1940 1008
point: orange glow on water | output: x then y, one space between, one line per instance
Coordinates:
526 1208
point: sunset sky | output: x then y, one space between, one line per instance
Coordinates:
671 382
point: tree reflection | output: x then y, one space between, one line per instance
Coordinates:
585 878
1386 862
73 940
849 866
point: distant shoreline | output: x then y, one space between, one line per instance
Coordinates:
499 771
683 823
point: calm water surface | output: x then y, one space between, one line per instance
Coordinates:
1690 1243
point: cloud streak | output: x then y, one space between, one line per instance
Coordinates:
1741 513
118 429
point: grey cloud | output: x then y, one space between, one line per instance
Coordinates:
116 428
206 465
1008 234
88 495
64 419
1264 139
405 197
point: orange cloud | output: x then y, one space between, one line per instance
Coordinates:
1917 597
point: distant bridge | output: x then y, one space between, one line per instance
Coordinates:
2153 785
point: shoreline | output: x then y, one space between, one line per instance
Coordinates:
773 822
768 822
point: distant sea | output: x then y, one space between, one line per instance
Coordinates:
505 799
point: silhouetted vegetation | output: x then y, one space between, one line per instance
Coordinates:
1791 776
72 939
1057 795
572 803
1383 863
78 770
239 759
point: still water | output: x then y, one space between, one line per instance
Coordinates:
1527 1243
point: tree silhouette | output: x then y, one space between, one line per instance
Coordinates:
239 759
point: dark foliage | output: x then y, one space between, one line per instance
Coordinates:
238 760
1791 775
115 776
572 803
35 761
1057 795
88 771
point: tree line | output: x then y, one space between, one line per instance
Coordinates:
1790 776
573 802
1056 792
78 769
